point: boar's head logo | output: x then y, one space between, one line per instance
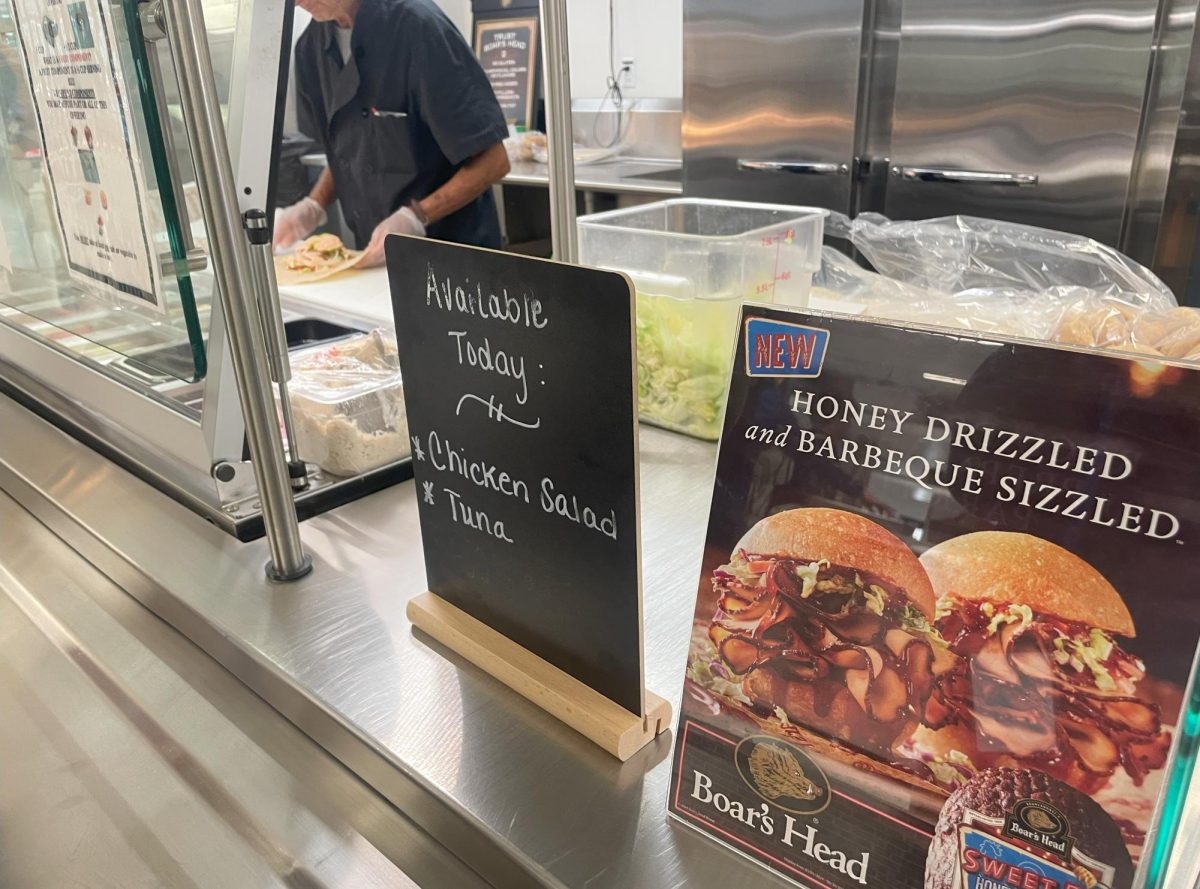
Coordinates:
777 773
783 774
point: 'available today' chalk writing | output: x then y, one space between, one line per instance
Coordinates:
524 311
482 356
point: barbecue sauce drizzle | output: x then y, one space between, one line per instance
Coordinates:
823 633
1069 698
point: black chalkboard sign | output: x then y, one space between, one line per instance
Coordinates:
507 50
519 385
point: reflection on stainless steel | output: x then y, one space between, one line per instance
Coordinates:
1059 26
802 168
1169 168
770 82
970 177
1082 98
1054 90
131 759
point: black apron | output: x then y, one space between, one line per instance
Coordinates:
400 117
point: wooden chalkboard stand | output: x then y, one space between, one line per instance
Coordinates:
584 709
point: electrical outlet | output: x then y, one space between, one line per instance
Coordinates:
627 76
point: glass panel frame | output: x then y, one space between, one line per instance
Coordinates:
158 345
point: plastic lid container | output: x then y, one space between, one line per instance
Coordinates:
711 249
693 263
348 405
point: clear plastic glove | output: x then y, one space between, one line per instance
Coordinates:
403 222
297 222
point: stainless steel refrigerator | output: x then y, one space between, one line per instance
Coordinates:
1068 114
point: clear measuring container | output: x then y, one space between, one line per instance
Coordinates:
694 262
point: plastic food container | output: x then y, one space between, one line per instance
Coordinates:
693 263
348 404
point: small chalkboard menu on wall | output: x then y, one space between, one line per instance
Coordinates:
507 49
518 380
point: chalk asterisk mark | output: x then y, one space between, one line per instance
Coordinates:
428 492
417 452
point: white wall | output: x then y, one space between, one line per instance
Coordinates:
460 13
290 124
649 30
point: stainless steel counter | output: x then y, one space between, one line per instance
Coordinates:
515 794
620 176
130 759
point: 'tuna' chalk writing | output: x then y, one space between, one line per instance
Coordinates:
475 518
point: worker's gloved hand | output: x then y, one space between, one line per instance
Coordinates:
403 222
297 222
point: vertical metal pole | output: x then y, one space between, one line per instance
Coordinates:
262 267
557 79
184 21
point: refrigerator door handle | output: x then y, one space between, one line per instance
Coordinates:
972 177
801 168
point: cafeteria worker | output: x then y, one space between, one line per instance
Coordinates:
411 128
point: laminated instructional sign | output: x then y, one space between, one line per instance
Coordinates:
96 177
947 617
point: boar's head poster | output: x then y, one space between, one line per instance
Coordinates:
946 622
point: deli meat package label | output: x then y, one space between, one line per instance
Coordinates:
946 620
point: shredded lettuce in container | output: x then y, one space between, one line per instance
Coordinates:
684 348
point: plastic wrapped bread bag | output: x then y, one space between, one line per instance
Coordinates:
954 254
1001 277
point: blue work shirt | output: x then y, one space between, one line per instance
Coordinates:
400 116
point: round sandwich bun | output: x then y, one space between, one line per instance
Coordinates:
846 540
1151 328
323 242
1075 330
1181 341
1008 568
